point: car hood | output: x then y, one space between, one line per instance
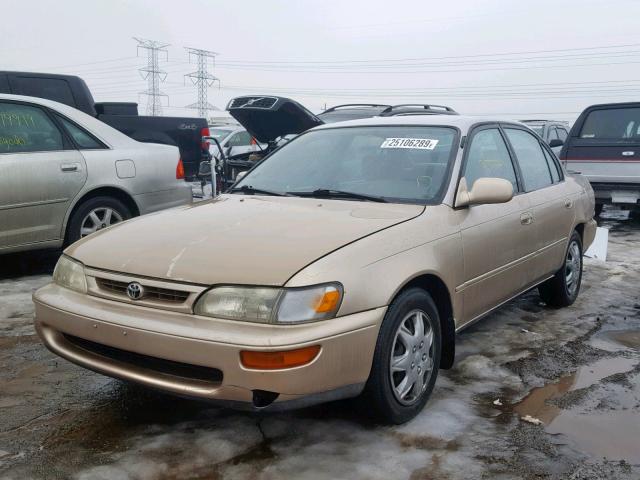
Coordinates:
236 239
267 117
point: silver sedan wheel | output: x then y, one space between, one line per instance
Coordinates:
99 218
572 268
411 363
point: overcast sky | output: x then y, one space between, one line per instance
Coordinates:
543 58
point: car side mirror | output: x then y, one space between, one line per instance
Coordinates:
556 143
484 190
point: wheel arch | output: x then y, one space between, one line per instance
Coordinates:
436 287
106 191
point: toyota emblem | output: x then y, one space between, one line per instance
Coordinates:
135 291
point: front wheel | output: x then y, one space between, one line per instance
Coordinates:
406 359
562 289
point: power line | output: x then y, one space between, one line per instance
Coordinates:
153 74
202 79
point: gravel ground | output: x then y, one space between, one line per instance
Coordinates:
574 374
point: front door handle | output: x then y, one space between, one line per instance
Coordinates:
526 218
70 167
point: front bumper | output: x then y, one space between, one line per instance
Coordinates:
66 320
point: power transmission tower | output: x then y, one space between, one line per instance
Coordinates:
152 74
202 79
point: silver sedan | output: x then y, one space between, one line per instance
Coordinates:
65 175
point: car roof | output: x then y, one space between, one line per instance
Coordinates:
462 122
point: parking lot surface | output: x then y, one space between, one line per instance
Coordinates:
534 393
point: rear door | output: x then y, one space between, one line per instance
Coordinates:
496 238
552 207
604 145
40 174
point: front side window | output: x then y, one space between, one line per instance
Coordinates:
25 128
83 139
533 164
489 157
612 124
563 134
397 163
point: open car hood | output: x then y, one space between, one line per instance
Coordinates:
267 117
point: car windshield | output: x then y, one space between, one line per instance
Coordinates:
397 163
219 133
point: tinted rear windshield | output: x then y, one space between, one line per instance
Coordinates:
612 124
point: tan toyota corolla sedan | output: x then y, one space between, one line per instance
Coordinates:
341 265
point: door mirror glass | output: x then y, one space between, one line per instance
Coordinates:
555 143
484 190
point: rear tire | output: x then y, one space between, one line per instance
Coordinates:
562 289
406 359
95 214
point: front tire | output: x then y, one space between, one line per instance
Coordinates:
95 214
406 359
562 289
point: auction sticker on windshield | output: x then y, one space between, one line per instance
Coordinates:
420 143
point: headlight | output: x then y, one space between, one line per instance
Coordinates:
70 274
271 305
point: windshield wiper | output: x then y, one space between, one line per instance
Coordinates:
249 190
330 193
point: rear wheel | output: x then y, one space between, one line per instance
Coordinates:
562 290
406 359
94 215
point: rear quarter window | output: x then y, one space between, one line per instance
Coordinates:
612 124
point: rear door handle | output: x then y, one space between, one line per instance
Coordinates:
526 218
628 153
70 167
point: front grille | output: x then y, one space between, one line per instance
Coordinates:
146 362
150 293
253 102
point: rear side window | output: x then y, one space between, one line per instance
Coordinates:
532 161
83 139
489 157
25 128
553 166
612 124
49 88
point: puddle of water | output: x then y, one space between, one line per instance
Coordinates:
615 340
611 434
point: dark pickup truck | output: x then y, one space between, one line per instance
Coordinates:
183 132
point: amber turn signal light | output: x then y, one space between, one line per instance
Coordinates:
328 302
279 360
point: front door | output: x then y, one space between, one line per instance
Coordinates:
40 174
496 238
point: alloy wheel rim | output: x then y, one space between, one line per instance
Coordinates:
573 264
411 362
97 219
